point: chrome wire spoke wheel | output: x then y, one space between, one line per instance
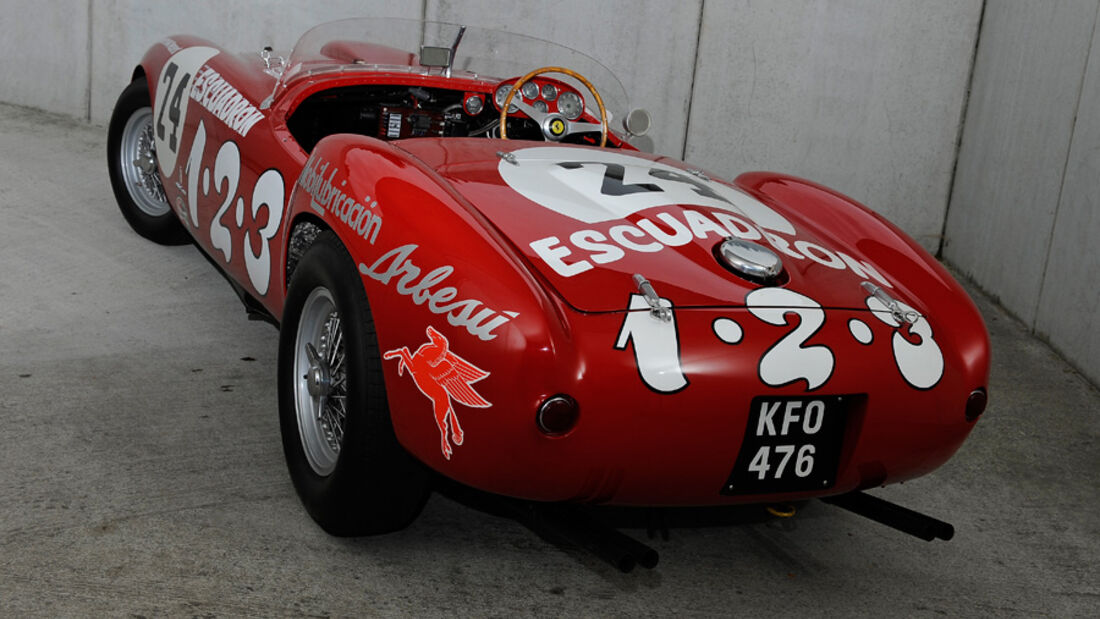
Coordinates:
342 453
320 386
138 163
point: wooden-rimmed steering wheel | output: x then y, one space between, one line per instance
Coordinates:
554 125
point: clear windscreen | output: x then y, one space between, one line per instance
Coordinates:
492 55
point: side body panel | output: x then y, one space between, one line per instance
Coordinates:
225 172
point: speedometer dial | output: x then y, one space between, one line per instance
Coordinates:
502 95
570 105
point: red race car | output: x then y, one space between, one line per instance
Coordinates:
473 271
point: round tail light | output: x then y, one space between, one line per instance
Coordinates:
557 415
975 404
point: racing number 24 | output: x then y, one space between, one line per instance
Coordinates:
169 76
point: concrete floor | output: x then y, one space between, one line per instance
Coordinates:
141 471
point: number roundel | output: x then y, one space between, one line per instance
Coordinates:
602 186
173 92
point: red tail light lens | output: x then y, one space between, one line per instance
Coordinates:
975 404
557 415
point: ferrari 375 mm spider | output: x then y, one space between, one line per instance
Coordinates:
474 272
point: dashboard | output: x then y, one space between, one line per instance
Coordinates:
392 112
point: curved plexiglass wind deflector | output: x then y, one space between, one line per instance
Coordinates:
481 53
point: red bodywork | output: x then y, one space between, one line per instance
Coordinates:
446 244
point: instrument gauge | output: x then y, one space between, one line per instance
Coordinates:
549 92
540 106
530 91
570 105
502 95
473 104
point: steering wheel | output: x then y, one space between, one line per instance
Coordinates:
554 126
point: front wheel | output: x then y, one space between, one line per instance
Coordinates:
350 472
132 165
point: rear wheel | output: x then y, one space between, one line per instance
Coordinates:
352 475
132 164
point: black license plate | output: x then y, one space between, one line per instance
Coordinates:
792 444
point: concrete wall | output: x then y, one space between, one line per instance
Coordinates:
862 95
45 46
1024 217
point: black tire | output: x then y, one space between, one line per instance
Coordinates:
136 192
372 485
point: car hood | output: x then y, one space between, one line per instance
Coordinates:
588 220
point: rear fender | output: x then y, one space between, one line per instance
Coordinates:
429 262
916 277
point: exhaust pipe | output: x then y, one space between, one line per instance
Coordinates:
892 515
572 524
